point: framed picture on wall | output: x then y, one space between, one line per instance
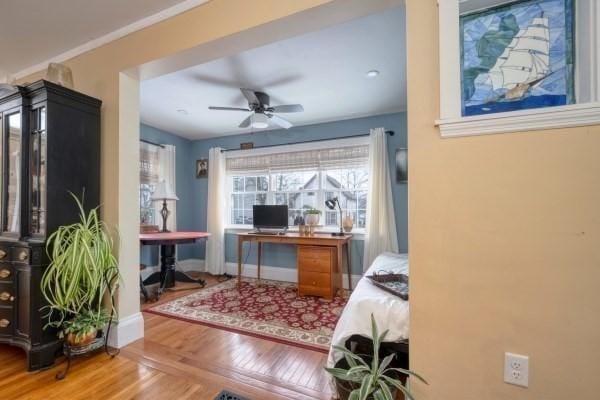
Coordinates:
401 165
202 168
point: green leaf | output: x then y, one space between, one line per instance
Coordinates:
396 383
387 393
354 395
384 363
378 395
341 374
365 387
408 372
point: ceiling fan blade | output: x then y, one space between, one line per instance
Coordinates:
250 96
246 123
228 108
288 108
284 123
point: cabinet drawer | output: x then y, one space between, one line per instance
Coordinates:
306 290
315 264
4 253
317 279
6 320
7 293
20 255
6 272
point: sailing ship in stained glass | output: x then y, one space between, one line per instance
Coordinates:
517 56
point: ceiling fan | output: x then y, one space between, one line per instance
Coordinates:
261 110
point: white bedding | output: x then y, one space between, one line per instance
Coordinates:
390 311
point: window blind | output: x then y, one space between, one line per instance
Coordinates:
148 163
328 158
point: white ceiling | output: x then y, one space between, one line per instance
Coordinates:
324 71
32 31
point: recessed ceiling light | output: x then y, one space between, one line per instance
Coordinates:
182 111
372 73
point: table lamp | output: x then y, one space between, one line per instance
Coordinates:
163 193
331 205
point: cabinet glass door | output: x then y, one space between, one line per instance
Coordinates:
37 170
13 172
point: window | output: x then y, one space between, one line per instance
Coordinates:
148 181
300 180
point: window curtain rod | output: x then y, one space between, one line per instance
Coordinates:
391 133
152 143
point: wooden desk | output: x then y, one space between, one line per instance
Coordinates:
167 242
339 243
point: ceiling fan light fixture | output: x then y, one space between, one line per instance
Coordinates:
372 73
260 121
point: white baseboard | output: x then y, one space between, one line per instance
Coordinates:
249 270
278 273
127 330
191 264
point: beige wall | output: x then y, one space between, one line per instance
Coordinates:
504 248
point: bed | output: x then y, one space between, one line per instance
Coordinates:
390 312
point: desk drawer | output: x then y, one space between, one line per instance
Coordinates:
316 279
7 293
316 259
6 272
306 290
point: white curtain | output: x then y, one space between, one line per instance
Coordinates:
215 246
166 172
381 221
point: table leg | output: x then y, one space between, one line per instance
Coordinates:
167 265
348 266
258 260
240 249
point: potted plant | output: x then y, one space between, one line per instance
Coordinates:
311 216
367 377
81 276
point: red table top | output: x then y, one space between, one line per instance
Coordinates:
168 236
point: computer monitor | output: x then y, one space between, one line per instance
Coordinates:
270 217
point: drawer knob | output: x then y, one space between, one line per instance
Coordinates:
4 296
2 254
4 273
4 323
23 255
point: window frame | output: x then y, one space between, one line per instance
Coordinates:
288 148
451 122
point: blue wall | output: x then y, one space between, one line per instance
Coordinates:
285 256
185 167
192 192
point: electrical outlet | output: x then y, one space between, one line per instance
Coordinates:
516 369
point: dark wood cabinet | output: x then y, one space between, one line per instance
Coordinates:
49 146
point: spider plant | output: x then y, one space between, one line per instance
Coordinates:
375 380
82 271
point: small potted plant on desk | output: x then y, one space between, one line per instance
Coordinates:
366 377
311 215
79 284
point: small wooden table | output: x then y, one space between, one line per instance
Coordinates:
167 242
339 243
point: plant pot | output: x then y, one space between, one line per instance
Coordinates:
344 388
312 219
82 340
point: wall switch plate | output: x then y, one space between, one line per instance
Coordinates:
516 369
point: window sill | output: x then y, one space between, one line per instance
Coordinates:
518 121
358 234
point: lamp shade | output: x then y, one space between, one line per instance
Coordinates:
260 121
163 191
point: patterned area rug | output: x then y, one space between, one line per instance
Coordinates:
272 310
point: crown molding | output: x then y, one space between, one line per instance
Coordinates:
112 36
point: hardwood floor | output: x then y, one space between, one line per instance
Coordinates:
176 360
